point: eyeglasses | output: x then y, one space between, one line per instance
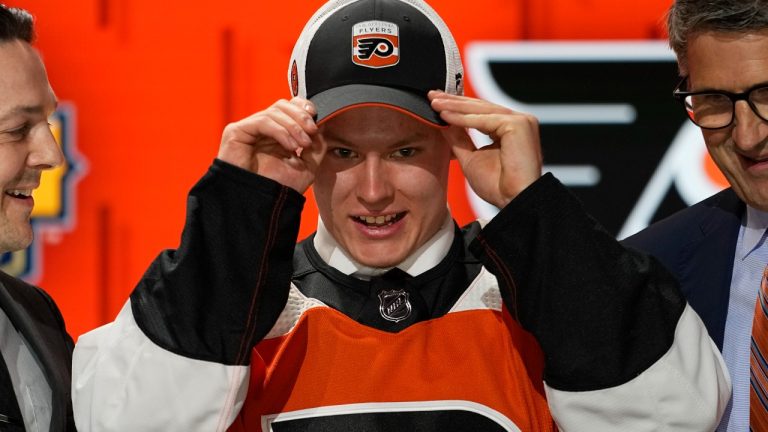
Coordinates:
713 109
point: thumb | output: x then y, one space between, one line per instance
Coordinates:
461 143
313 155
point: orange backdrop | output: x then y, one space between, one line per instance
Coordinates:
154 82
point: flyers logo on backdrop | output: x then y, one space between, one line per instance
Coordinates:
375 44
610 129
53 213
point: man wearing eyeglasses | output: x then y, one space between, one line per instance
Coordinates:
717 248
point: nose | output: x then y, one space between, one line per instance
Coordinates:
374 187
749 130
44 152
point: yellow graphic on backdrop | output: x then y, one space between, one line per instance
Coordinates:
52 199
48 197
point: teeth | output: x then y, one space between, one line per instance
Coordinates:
20 192
377 220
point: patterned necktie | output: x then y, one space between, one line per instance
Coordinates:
758 368
10 414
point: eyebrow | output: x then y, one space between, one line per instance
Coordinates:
27 109
715 90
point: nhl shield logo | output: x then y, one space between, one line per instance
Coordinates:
394 305
375 44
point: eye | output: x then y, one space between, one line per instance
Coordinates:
404 153
18 133
343 153
760 96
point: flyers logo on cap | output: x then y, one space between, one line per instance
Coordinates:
375 44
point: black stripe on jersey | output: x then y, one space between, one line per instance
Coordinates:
422 421
602 313
206 300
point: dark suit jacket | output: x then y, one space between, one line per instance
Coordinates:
34 314
698 245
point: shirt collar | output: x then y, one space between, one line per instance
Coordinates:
754 231
424 258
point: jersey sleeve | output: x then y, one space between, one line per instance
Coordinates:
623 351
177 357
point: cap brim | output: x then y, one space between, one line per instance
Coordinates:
332 102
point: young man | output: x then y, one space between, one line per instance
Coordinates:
35 349
390 317
717 248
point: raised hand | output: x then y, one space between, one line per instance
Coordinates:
500 171
280 143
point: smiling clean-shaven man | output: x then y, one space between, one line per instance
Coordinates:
35 349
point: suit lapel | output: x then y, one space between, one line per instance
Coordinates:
707 262
34 320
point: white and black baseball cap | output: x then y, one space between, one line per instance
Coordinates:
356 53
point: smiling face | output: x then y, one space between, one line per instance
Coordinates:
735 62
26 143
381 188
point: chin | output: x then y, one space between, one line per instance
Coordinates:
758 203
377 263
376 259
15 244
15 236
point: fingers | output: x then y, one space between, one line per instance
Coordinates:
488 118
442 101
295 118
290 123
493 120
270 142
313 156
497 172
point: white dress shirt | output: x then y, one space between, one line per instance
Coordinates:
749 261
